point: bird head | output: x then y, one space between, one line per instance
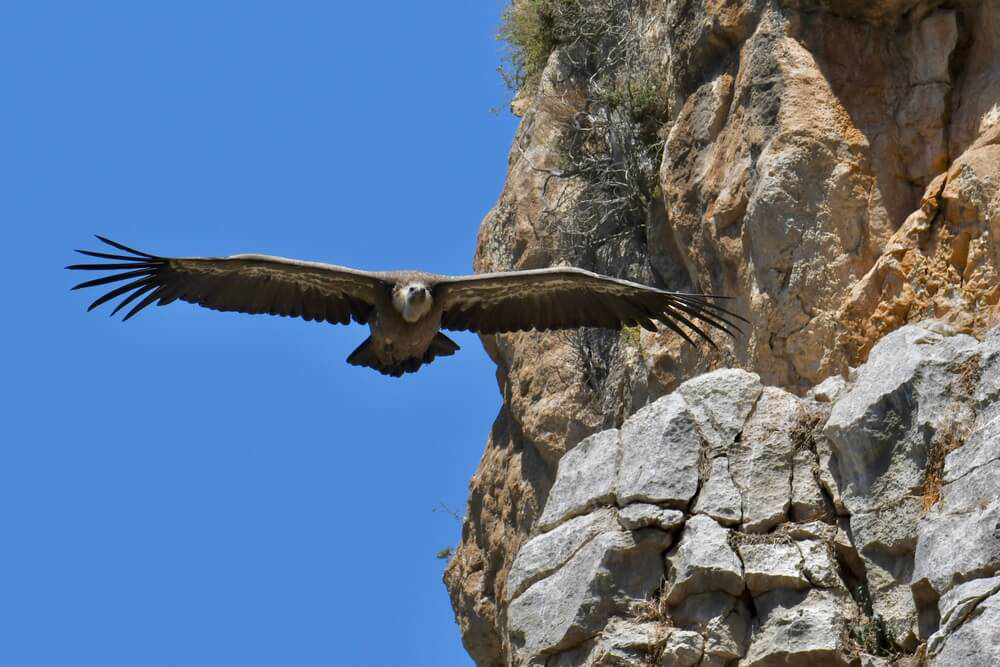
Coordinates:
412 300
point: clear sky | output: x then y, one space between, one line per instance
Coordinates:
199 488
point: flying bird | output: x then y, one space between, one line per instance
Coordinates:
405 310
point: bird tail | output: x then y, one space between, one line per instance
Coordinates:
364 355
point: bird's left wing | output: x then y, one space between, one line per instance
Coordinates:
240 283
565 298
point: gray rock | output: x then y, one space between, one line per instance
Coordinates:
544 554
703 561
584 480
720 402
889 530
761 463
608 575
819 564
799 628
826 473
622 643
719 497
683 648
808 502
846 552
958 605
980 450
810 530
661 447
771 565
722 620
644 515
880 428
907 396
956 547
959 538
828 390
976 642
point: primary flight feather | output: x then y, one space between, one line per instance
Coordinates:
405 310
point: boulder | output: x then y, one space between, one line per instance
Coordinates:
703 561
799 629
661 446
584 480
770 565
761 462
607 575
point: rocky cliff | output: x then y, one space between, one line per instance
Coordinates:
822 489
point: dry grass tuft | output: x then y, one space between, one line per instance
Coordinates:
934 477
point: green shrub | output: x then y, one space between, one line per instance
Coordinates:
529 29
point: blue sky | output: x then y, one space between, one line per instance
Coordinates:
198 488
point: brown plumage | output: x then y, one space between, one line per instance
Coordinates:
404 309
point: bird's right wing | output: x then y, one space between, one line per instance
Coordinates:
240 283
567 297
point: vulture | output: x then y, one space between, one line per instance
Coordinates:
405 310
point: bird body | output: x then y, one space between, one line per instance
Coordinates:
405 310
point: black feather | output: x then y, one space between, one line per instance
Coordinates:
113 278
116 292
111 267
139 292
115 244
145 302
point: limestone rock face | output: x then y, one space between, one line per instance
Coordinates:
909 403
834 166
908 562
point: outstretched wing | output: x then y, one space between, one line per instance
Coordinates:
240 283
565 298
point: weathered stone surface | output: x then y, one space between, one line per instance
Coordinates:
585 479
683 648
956 547
799 628
703 561
819 563
607 575
723 621
878 428
957 538
942 262
621 644
905 401
644 515
544 554
959 605
808 502
761 463
828 390
719 497
826 472
814 530
974 643
771 565
720 402
661 446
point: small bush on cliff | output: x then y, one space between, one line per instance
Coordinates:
529 29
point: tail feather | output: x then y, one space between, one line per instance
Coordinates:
364 355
